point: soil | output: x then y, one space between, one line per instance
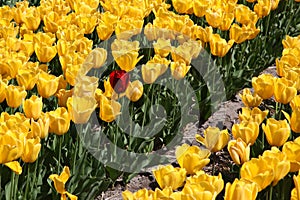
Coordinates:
224 118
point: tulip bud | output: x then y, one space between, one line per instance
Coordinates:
239 151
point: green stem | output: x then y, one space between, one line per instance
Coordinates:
60 138
28 181
270 193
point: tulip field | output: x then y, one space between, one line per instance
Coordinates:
92 92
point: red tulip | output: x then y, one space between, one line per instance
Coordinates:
119 80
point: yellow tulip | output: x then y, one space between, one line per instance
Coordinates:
249 99
163 194
244 15
81 108
293 76
239 151
294 119
31 150
284 90
87 22
214 17
214 139
9 68
263 85
97 57
134 90
33 107
51 22
44 52
192 158
241 189
151 71
47 84
285 63
109 109
162 47
200 7
11 147
3 85
27 77
278 162
15 95
295 193
168 176
126 54
292 150
14 166
218 46
241 34
85 86
179 69
259 171
62 96
140 194
277 131
255 115
199 191
262 8
290 42
46 39
70 33
104 30
31 18
39 128
295 102
128 27
182 6
247 131
201 177
59 121
18 11
60 181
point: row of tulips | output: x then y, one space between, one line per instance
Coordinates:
47 52
275 163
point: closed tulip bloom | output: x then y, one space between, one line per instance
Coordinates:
202 34
214 17
292 150
263 85
97 57
241 189
239 151
51 22
192 158
284 90
59 121
9 69
247 131
60 181
109 109
294 119
27 78
179 69
295 102
295 193
214 139
44 52
134 90
168 176
255 115
162 47
293 76
277 131
262 8
219 46
151 71
15 95
31 150
3 85
163 194
33 107
11 147
278 162
104 30
259 171
47 84
82 108
249 99
40 127
238 34
14 166
128 27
